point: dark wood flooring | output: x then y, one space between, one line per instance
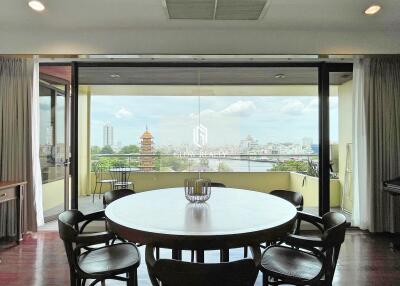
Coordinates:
40 260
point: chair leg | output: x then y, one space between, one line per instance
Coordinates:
72 278
265 279
103 283
157 253
245 252
132 279
94 192
101 185
297 229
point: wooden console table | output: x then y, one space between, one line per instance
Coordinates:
11 190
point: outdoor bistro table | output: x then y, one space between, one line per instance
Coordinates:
230 218
121 175
124 169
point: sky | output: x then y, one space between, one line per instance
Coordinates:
228 119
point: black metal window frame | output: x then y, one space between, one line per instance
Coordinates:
324 68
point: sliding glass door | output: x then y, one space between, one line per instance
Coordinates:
341 136
273 122
249 127
54 97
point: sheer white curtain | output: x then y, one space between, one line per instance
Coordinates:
35 134
362 199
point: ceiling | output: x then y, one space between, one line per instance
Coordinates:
143 27
203 76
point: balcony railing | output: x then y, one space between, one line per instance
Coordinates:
212 162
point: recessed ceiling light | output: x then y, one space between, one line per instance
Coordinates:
373 9
280 76
36 5
115 75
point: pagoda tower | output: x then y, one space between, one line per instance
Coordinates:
147 161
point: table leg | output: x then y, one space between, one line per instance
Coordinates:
224 255
200 256
177 254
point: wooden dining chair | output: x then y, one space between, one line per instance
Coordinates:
98 263
295 198
306 260
114 195
172 272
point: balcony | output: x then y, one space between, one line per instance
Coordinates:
247 172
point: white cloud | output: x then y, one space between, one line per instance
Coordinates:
293 107
240 108
312 105
123 113
205 112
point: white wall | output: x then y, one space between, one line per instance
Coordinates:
196 41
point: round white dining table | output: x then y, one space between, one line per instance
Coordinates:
230 218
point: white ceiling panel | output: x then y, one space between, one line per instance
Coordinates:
143 26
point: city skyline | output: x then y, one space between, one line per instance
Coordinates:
229 119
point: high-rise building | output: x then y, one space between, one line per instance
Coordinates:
108 135
307 141
147 161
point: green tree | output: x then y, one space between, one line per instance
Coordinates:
107 149
95 150
223 167
157 164
129 149
291 165
175 163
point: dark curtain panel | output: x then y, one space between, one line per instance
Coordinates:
16 79
382 108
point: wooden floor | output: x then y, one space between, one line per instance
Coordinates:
40 260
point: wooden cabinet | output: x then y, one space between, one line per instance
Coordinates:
10 190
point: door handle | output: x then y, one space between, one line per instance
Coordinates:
66 162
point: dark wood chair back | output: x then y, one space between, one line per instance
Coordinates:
293 197
114 195
177 273
334 228
217 185
68 231
73 236
333 237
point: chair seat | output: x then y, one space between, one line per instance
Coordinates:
291 263
115 259
106 181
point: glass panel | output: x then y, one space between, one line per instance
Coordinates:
341 109
249 128
53 137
